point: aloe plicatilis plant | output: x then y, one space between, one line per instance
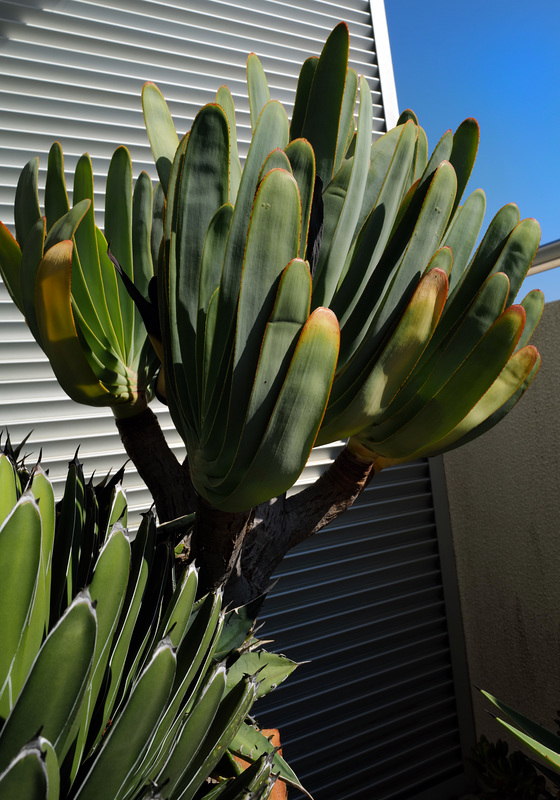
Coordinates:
327 289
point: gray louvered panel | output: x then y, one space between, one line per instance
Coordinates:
73 71
95 57
365 596
363 602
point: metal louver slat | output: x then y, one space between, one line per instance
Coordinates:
95 57
73 72
373 714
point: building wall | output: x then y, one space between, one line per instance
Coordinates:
73 71
504 499
377 627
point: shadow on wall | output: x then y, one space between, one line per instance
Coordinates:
504 501
22 13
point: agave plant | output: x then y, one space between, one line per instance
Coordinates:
536 738
115 681
327 289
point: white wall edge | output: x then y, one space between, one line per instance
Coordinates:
385 62
548 257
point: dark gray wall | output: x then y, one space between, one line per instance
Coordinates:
504 499
373 713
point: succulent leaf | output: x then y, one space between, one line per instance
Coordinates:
305 82
26 203
329 268
463 154
188 740
63 664
26 776
124 746
20 558
257 87
321 122
56 196
107 590
57 330
302 162
225 100
251 744
227 720
463 231
271 669
161 131
10 264
31 257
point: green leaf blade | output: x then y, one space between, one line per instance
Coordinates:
257 86
20 557
329 268
296 418
114 769
56 196
161 131
63 664
321 123
26 203
118 232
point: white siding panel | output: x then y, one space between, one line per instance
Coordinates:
72 71
370 712
374 716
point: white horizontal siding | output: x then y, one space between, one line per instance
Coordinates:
361 606
73 72
374 716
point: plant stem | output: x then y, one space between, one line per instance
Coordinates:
166 478
240 550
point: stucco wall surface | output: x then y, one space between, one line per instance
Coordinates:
504 499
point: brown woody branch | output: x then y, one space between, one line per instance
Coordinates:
330 496
166 478
217 542
285 522
241 550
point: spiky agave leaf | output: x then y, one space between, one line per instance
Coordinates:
130 687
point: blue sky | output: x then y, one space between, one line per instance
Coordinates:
499 62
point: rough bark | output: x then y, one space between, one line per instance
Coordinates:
240 550
167 479
285 522
217 542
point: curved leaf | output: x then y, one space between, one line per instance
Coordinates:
57 330
257 86
26 203
161 131
63 664
121 752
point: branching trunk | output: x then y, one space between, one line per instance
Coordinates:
166 478
240 550
217 543
285 522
